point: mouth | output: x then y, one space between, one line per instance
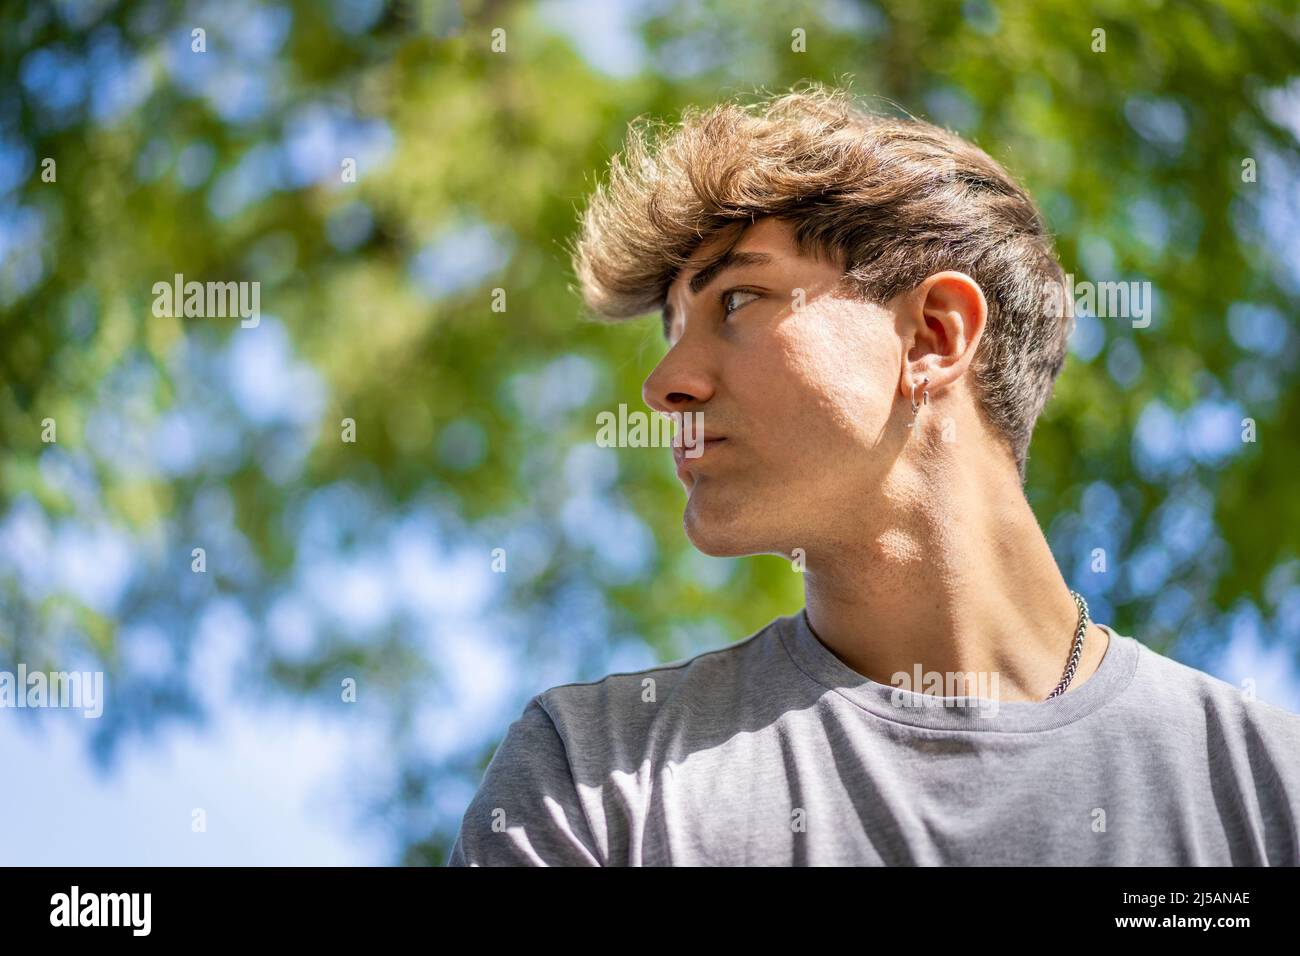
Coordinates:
697 448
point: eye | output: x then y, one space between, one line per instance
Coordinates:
726 297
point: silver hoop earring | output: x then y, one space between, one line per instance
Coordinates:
925 399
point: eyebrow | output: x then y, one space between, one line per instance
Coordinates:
727 260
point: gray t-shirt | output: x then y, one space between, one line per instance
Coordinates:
772 751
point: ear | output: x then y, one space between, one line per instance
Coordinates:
942 321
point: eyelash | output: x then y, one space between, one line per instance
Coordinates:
722 299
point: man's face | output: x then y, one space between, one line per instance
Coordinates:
800 393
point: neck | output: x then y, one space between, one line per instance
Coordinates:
953 582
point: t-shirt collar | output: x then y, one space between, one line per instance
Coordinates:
970 712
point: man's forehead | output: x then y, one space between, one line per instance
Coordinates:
766 236
702 273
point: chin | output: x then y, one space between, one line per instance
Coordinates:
718 532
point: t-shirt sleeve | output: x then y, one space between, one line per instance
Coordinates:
526 811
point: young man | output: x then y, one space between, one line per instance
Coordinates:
862 308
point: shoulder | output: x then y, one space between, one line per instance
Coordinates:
526 810
622 706
1177 690
542 788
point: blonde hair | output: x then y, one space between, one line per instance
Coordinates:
896 200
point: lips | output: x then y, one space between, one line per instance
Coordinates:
698 447
706 437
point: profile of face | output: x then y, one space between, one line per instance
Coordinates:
803 385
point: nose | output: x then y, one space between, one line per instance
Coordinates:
680 382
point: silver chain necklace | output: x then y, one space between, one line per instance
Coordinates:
1077 650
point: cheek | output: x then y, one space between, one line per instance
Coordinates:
830 374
